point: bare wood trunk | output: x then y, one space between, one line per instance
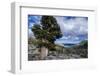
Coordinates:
43 53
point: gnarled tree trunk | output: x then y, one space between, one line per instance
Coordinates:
43 52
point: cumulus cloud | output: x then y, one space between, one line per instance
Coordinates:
73 26
74 29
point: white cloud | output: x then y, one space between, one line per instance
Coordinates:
67 40
76 38
30 33
73 26
31 24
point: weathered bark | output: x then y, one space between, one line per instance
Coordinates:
43 52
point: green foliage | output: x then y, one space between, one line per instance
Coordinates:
84 44
47 32
52 28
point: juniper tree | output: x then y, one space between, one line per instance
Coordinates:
47 32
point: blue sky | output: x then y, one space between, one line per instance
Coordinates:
73 28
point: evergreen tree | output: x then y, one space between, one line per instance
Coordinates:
46 33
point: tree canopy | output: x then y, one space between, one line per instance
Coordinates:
47 31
